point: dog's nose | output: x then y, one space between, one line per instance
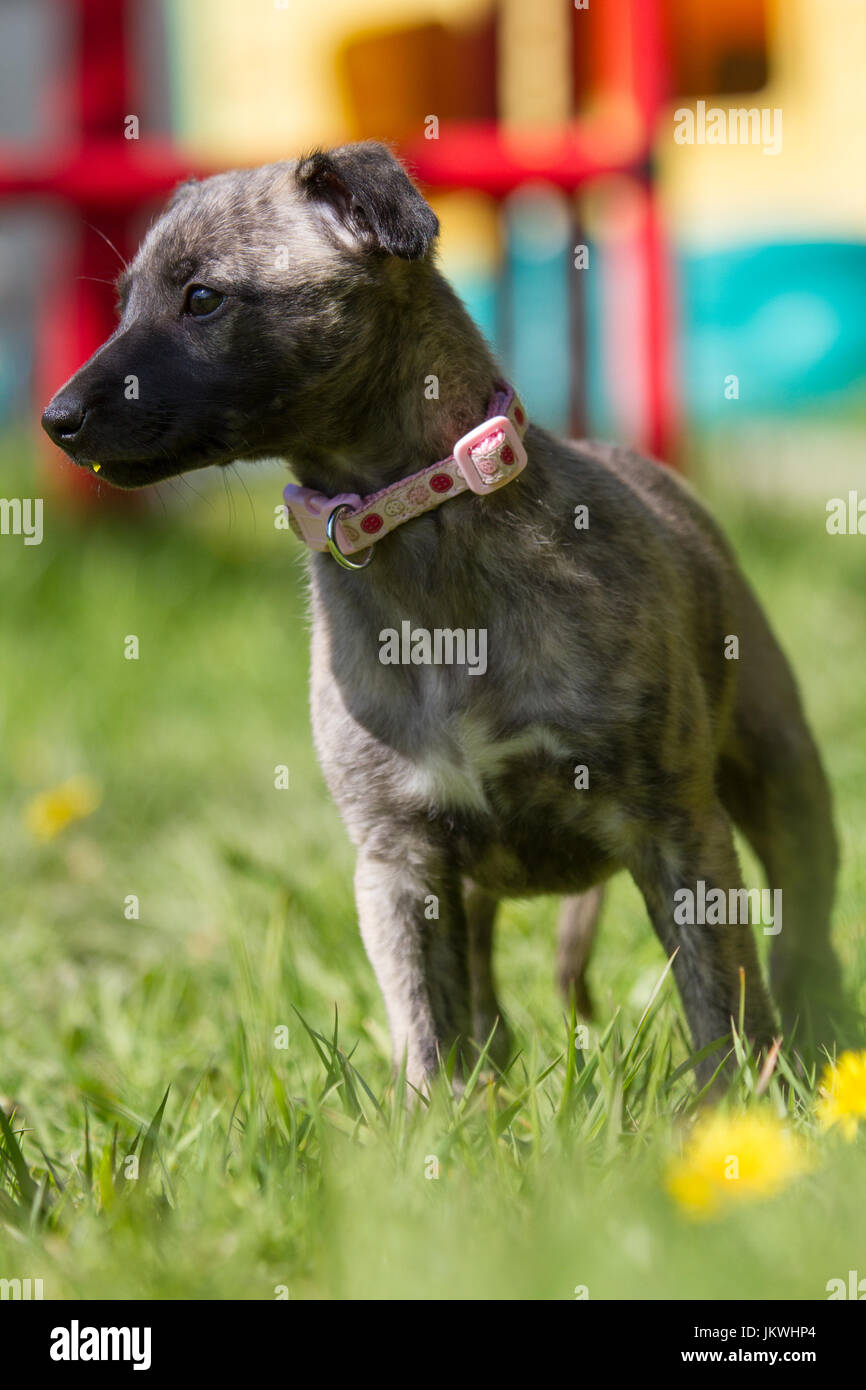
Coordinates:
62 418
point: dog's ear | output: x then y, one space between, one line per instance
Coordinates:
180 192
370 198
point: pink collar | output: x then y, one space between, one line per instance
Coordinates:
485 459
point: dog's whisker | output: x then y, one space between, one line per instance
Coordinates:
159 497
202 497
239 476
173 484
108 243
230 499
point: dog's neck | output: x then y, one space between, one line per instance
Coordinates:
421 377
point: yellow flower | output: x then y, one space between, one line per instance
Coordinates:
843 1094
734 1157
50 812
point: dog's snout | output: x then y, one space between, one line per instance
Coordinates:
63 418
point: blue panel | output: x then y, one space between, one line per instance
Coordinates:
539 261
479 294
789 320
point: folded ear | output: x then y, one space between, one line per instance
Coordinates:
181 191
370 199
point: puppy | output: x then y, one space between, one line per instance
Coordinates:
535 663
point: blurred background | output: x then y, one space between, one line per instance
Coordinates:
165 903
536 127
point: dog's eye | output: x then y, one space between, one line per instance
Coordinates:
201 301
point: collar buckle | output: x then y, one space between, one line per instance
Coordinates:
310 512
490 455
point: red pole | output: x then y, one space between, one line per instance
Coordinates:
78 314
651 84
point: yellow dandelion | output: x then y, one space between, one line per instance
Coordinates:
51 811
730 1158
842 1100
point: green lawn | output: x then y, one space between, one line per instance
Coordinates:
292 1167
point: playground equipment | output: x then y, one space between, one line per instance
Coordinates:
108 172
772 247
542 133
104 177
536 159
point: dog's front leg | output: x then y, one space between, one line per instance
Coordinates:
413 927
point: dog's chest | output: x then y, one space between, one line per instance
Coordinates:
426 747
522 823
467 768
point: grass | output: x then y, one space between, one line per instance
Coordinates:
264 1168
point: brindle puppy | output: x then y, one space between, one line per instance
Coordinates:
296 310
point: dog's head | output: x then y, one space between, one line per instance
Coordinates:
244 315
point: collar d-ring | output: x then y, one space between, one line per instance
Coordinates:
333 544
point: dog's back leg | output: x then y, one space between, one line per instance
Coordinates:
576 928
773 785
709 956
480 908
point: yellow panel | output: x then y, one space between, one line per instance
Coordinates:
471 232
258 80
815 186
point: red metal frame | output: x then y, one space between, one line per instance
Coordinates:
480 156
107 179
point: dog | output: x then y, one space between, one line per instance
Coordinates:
296 310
